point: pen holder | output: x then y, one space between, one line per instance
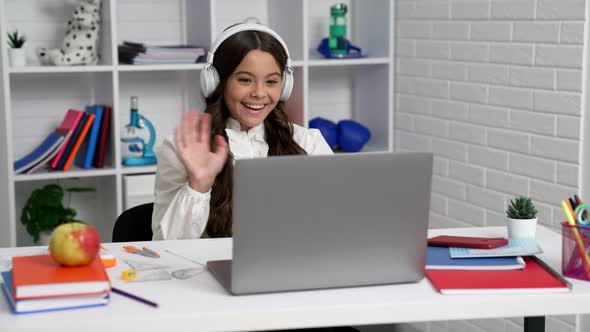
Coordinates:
575 259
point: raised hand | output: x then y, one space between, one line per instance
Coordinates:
192 139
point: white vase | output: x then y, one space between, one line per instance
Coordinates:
519 228
44 238
17 56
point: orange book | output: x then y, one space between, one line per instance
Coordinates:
78 142
40 276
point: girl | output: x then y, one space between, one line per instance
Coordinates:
245 91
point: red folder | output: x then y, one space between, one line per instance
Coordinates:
535 277
103 138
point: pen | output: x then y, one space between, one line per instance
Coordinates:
134 297
573 203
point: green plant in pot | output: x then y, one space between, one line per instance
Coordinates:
44 209
16 52
16 39
521 215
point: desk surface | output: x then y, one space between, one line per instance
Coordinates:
200 303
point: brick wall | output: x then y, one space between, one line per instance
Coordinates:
493 88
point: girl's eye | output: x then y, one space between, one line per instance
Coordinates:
244 80
272 82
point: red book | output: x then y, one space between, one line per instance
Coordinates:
103 138
67 126
535 277
40 276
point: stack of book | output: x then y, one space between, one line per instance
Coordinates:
38 283
141 54
455 270
81 139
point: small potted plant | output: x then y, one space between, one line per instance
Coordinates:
16 52
44 211
521 217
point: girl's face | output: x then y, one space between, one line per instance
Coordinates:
253 89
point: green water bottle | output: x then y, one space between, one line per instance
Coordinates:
337 40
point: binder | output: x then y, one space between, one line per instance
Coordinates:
536 277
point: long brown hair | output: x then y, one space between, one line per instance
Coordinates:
278 129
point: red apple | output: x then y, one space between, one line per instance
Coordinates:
74 244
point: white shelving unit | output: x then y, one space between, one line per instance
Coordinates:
34 99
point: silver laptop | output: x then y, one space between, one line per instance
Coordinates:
311 222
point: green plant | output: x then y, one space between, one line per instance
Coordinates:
16 40
44 209
521 208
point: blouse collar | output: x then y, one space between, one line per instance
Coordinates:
234 132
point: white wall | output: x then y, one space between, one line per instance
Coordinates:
493 88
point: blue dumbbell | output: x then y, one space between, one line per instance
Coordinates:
352 136
328 129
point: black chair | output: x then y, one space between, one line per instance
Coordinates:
134 224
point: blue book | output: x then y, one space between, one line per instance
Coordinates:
439 258
515 247
85 157
51 142
48 304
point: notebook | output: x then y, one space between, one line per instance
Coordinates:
534 278
439 258
40 276
49 303
515 247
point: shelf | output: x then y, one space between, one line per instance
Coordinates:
322 62
36 97
139 169
73 173
167 67
62 69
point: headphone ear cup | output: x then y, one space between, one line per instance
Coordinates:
286 86
209 80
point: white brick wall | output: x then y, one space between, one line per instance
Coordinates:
493 89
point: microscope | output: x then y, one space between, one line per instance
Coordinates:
136 143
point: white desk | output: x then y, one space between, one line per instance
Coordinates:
201 304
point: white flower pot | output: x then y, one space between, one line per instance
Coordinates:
44 238
17 57
519 228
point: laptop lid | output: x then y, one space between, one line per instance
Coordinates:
308 222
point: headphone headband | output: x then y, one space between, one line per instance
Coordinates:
209 78
247 27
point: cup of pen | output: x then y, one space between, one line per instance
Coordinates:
575 261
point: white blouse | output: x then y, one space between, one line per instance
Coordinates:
181 212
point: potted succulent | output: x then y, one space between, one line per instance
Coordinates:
521 217
16 52
44 211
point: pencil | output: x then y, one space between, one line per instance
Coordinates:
134 297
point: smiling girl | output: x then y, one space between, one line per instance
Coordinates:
244 118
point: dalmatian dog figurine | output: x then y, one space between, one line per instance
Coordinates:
80 45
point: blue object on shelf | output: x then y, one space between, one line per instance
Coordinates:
136 143
328 129
352 51
352 136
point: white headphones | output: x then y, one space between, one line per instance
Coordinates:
210 77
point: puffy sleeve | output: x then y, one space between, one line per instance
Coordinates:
311 140
179 211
